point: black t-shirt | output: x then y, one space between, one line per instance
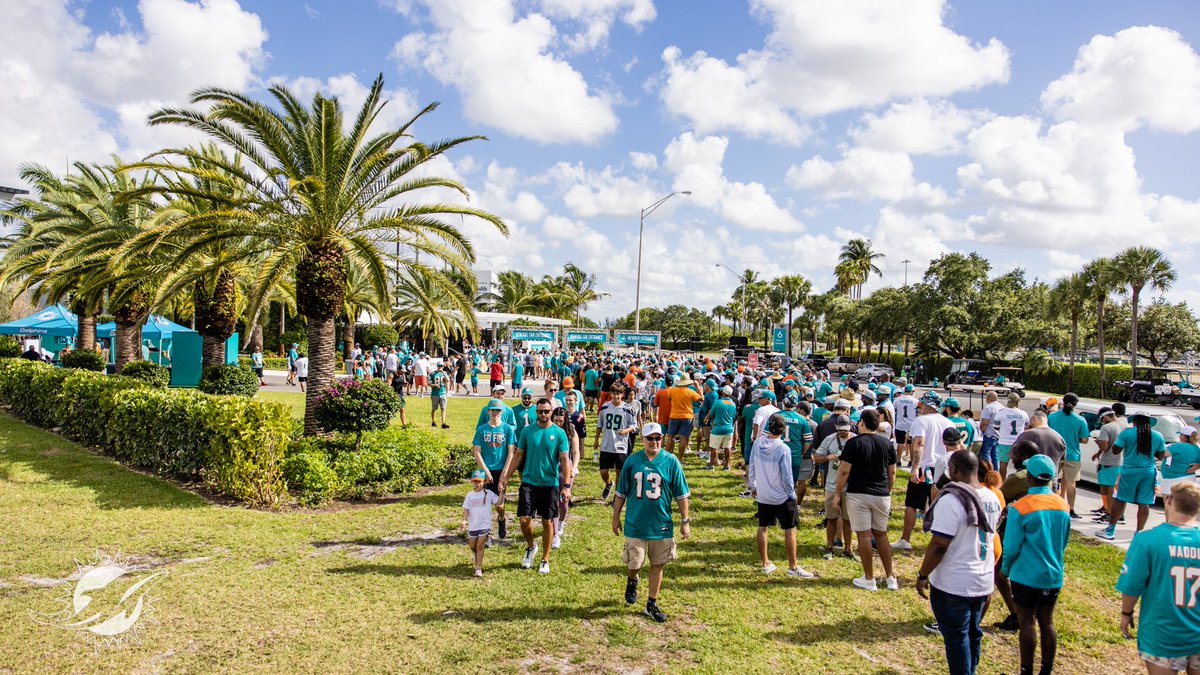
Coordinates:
606 380
869 456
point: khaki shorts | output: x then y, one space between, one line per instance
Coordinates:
832 511
1070 470
720 442
637 551
868 512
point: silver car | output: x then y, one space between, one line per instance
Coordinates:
1168 425
869 370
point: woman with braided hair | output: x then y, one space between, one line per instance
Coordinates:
1140 447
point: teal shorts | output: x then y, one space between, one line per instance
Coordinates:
1136 486
1106 476
1002 452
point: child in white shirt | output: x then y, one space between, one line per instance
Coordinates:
477 517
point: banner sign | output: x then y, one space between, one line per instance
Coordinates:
779 340
582 335
632 338
752 360
534 335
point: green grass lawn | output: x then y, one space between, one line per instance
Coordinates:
388 586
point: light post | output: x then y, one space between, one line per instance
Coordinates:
637 295
735 276
906 261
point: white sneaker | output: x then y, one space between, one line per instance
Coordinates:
902 545
557 542
544 568
893 584
801 573
769 568
863 583
530 552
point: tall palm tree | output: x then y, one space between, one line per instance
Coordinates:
791 290
1070 298
1101 283
515 294
318 198
580 288
1134 269
860 260
847 278
429 303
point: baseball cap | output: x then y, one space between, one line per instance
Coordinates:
499 387
1014 398
908 388
527 390
727 391
496 405
791 400
842 422
951 436
1187 430
1040 466
932 399
841 404
568 382
868 395
479 475
1052 401
652 428
952 403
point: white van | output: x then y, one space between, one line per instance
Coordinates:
1169 424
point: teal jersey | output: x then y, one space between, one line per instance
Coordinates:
966 429
649 487
494 443
824 389
1182 455
518 374
1072 427
475 375
1132 459
724 414
1162 566
748 420
542 448
799 435
506 416
591 380
562 398
523 416
819 414
437 383
698 404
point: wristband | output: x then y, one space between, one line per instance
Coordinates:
1128 614
685 521
567 486
922 577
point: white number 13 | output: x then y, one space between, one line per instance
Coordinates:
653 486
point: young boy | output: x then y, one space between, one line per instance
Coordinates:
477 517
475 379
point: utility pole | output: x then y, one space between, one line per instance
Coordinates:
906 261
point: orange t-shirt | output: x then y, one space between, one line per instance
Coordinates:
662 401
681 402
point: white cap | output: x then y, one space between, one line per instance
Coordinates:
652 428
1187 431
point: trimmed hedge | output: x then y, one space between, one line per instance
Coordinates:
1087 380
150 373
233 444
269 362
84 359
226 379
9 347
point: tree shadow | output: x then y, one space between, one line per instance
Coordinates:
861 629
527 612
112 484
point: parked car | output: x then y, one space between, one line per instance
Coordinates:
1169 424
968 371
869 370
815 361
842 364
1158 385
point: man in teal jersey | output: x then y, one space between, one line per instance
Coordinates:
799 438
524 412
518 374
437 396
493 445
543 458
966 430
721 418
591 387
650 480
1162 567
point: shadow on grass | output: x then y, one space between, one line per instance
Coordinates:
527 612
860 629
113 485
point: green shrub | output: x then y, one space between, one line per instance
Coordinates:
376 335
150 373
269 362
9 347
89 400
15 377
294 336
42 404
1087 380
309 475
84 359
354 407
227 379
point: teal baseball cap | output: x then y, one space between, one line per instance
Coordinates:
952 403
908 388
479 475
495 404
527 391
1040 466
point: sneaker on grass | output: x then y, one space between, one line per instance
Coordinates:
557 541
530 552
1109 533
932 627
631 591
828 555
1009 623
800 573
893 584
769 568
654 612
544 568
902 545
865 584
607 491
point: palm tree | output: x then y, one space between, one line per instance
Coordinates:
321 198
791 291
847 278
514 294
579 288
429 303
1135 268
1070 297
859 258
1101 283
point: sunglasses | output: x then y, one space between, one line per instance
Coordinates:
543 412
654 439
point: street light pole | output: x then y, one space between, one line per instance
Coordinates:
735 276
637 295
906 261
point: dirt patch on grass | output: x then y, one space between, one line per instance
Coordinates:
371 548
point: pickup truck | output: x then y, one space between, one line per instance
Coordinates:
842 364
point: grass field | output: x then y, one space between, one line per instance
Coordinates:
388 586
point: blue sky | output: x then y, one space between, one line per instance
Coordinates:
1040 134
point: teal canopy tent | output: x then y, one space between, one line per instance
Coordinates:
156 328
53 321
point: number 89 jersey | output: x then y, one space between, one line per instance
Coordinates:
649 487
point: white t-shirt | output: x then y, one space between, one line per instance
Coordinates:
761 415
930 427
479 509
989 414
906 412
390 362
302 366
970 560
421 367
1008 423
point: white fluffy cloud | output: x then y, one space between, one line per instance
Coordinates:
1141 76
920 127
824 57
601 193
646 161
596 18
401 104
503 69
697 165
866 174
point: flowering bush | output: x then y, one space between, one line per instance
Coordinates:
350 406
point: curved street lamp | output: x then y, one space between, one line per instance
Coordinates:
739 279
637 306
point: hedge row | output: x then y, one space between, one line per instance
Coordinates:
233 444
1087 380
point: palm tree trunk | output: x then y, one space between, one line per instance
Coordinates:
1100 342
320 295
320 368
1074 338
216 316
87 331
128 342
1133 345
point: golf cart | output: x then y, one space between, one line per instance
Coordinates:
967 371
1162 385
1011 375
